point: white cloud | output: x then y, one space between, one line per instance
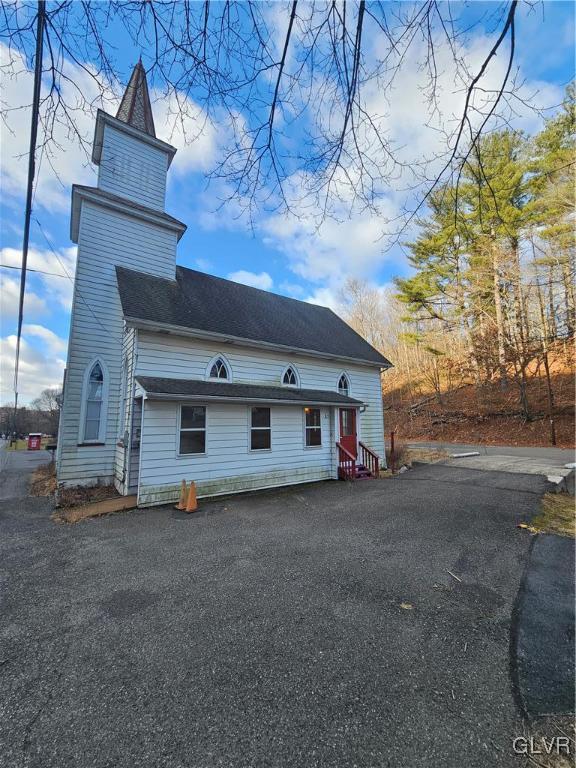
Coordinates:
40 366
57 285
66 163
52 341
260 280
34 305
182 123
292 289
203 264
356 241
325 297
178 120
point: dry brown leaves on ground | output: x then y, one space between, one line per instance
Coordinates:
75 497
44 481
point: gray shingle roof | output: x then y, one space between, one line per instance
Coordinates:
173 388
135 108
201 302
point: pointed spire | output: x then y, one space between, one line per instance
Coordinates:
135 106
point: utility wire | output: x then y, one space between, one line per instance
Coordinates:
69 276
30 269
31 171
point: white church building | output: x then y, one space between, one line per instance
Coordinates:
175 374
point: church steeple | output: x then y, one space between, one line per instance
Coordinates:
135 108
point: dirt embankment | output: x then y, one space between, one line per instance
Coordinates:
489 413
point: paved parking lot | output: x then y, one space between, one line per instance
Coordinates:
314 626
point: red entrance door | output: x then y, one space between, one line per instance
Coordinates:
348 430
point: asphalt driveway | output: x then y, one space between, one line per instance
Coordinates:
316 626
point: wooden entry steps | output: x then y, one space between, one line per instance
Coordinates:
350 469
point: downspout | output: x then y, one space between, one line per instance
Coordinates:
141 451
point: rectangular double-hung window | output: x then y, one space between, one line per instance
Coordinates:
260 431
312 427
192 429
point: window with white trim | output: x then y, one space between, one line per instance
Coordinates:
93 404
192 429
219 369
343 385
290 377
312 427
260 430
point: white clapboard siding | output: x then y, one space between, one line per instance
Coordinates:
132 169
106 238
228 464
135 433
126 407
188 358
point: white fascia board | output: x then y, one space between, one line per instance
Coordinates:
103 118
135 211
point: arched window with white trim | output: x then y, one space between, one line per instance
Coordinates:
344 385
94 402
290 377
219 369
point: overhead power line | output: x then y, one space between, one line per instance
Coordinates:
30 269
69 276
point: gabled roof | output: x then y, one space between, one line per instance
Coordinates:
135 108
213 306
193 389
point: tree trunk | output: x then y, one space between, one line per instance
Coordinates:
551 308
545 333
499 317
569 298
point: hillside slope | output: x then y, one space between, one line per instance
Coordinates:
488 414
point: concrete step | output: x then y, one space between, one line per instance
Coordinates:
559 478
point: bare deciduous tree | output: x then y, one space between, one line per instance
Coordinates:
305 88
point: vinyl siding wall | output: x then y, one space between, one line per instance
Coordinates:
126 408
228 464
106 238
132 169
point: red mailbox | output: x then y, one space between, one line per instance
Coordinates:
34 441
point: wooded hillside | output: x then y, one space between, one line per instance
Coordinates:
490 302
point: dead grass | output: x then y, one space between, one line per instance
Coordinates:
44 480
546 728
403 455
426 455
400 455
557 515
76 497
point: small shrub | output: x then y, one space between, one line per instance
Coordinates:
401 455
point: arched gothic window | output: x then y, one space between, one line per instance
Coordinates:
93 405
219 369
290 377
343 385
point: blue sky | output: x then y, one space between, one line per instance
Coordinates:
286 255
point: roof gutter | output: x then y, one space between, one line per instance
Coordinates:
241 400
178 330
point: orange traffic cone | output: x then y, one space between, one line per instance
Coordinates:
192 504
182 503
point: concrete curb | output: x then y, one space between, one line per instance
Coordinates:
560 484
